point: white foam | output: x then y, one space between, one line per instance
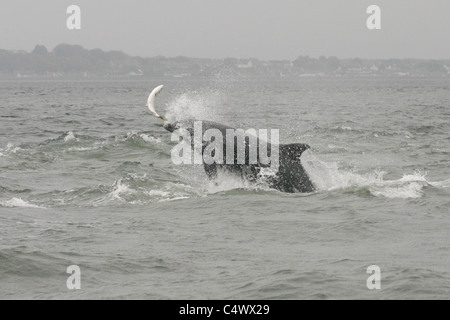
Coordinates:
10 148
157 193
171 192
130 134
441 184
150 139
133 133
120 189
410 190
18 203
226 182
328 177
173 199
70 137
95 146
416 177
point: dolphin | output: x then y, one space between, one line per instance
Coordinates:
289 177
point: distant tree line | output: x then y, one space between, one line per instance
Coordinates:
74 59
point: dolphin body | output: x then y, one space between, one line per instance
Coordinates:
290 177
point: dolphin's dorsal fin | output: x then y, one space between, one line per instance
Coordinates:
293 151
151 101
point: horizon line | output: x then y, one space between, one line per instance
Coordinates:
222 58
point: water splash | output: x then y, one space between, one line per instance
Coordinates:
195 105
410 190
137 138
9 149
120 189
18 203
70 136
225 182
142 189
150 139
441 184
327 176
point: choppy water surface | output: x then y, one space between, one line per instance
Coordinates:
86 179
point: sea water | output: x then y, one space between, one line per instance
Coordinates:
86 179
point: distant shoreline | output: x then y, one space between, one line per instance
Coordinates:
69 61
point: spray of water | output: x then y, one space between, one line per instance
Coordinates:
327 176
202 105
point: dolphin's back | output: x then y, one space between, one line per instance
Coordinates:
290 177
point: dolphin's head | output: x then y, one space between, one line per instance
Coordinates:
171 127
182 124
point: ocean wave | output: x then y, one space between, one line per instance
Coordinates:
329 177
410 190
70 136
441 184
72 142
141 189
18 203
136 139
226 183
150 139
119 189
81 149
343 128
8 150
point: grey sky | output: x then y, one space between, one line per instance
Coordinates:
282 29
